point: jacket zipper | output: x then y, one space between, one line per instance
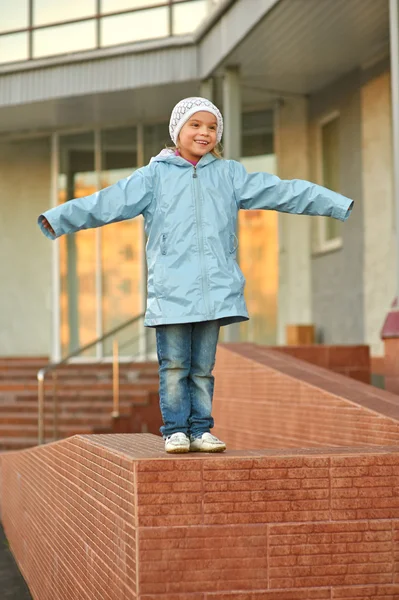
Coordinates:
200 242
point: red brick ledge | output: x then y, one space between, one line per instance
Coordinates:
114 517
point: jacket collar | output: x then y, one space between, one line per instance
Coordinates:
168 155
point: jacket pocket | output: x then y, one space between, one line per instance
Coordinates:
159 278
159 267
238 277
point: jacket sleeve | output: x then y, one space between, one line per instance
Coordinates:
268 192
123 200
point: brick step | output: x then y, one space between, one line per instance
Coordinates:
13 386
17 443
30 431
76 404
24 360
33 362
127 374
72 407
89 420
77 367
100 394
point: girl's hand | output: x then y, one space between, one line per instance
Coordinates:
47 225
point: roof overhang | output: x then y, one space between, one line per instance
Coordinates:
281 46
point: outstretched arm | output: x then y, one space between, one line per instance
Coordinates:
125 199
268 192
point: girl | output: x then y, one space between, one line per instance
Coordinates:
190 198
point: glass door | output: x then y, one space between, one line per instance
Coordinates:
101 270
122 246
77 178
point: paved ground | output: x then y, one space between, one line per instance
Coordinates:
12 584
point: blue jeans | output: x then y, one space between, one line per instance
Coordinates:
186 357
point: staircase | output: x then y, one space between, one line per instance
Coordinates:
84 396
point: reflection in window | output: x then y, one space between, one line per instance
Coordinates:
121 242
142 25
156 137
258 258
48 11
64 38
77 179
13 15
188 15
13 47
116 5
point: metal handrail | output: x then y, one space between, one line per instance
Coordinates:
52 366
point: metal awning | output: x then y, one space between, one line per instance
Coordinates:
282 47
301 46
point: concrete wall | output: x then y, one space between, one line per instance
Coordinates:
378 207
292 153
25 254
337 276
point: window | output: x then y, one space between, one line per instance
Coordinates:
48 11
14 15
32 29
136 26
328 230
13 47
187 16
64 38
108 6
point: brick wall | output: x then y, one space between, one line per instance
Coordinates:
265 399
68 511
352 361
113 517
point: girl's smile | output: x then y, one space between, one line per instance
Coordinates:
198 136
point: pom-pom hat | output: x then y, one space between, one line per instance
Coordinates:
187 108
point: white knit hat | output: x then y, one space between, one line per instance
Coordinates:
187 108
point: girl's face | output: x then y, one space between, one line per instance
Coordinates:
198 136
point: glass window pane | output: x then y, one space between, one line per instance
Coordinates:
121 244
64 38
116 5
188 15
14 15
77 251
142 25
48 11
258 255
156 137
13 47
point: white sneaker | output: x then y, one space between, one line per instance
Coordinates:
207 443
177 442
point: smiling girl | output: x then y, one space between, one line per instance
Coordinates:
190 199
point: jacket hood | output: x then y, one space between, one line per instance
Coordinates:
168 155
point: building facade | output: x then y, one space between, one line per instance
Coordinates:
86 91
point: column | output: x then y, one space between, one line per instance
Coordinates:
232 143
292 152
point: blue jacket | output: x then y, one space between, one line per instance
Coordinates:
190 216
